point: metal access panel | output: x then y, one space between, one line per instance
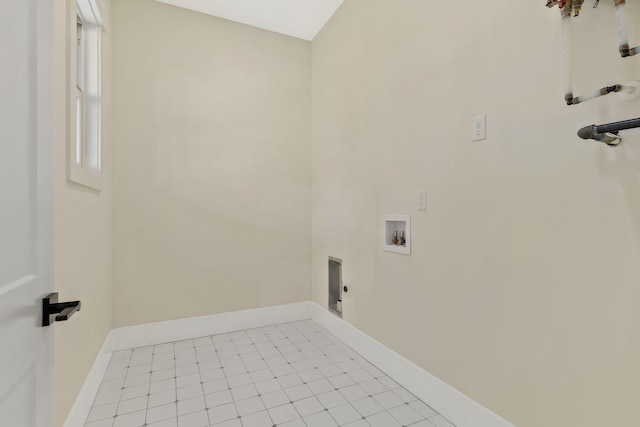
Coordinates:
335 286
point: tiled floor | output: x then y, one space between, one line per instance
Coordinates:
290 375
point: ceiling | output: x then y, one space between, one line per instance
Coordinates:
297 18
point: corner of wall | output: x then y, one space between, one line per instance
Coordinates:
82 230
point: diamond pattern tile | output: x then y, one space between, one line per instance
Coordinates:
290 375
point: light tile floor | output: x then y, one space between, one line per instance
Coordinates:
290 375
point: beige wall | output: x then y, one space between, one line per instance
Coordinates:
522 286
522 289
212 165
82 231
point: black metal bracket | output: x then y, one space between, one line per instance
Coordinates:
53 311
608 133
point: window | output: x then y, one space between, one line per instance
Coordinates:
85 142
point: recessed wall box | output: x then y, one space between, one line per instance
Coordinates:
397 234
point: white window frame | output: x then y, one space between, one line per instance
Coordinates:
85 95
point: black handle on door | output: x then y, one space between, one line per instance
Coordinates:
53 311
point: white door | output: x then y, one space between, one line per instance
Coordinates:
26 211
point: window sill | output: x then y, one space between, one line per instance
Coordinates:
81 176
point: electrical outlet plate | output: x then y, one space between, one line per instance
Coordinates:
479 130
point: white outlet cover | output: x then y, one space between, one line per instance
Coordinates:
479 128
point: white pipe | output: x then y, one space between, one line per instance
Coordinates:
595 94
623 35
585 98
566 46
629 90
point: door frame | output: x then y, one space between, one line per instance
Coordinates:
45 140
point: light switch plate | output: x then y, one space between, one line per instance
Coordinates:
422 200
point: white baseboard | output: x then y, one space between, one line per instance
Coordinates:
449 402
176 330
195 327
81 407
